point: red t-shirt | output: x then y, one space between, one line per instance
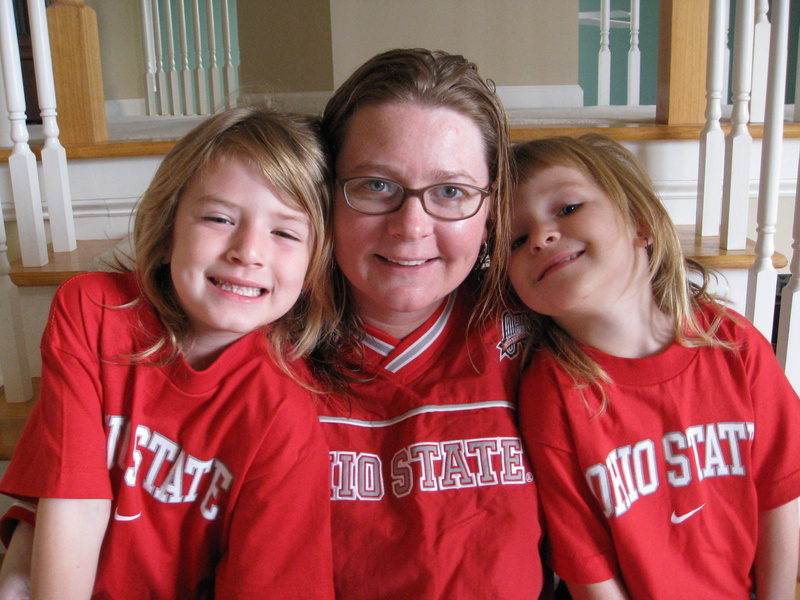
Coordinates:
218 478
432 493
664 488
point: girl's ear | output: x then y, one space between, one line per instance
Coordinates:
644 237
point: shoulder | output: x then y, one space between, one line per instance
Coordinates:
91 305
732 327
102 288
546 396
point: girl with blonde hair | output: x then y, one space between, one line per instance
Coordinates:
661 429
172 452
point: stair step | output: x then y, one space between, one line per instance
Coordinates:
13 416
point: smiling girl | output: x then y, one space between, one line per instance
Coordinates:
169 452
662 431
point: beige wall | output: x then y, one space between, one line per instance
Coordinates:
285 45
501 36
121 54
313 45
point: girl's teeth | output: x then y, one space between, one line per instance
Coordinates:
250 292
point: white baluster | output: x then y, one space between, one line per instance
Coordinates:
13 352
54 158
796 114
634 57
604 56
761 49
200 90
22 162
186 73
172 72
228 70
161 76
213 69
712 138
762 277
736 184
150 87
788 350
726 84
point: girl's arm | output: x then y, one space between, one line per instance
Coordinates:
15 575
66 547
776 554
612 589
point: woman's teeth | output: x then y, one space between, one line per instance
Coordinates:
407 263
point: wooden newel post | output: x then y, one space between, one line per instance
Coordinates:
682 53
76 72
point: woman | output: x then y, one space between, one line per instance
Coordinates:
432 494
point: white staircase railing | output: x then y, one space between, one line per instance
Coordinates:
22 162
56 191
187 92
762 276
25 187
761 52
606 19
712 138
736 182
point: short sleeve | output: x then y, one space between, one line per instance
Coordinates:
776 445
62 450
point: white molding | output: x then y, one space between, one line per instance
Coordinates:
302 102
131 107
540 96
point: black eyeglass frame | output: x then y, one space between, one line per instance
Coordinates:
419 193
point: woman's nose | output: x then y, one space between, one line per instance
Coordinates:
410 220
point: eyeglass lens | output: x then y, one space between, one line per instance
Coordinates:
444 200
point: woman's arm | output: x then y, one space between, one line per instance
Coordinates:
776 554
15 575
66 547
611 589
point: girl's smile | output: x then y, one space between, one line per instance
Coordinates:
572 252
239 253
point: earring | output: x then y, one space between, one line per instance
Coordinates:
483 257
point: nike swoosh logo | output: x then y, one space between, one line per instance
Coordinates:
119 517
680 519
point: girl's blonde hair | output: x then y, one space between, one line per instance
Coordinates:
436 79
624 180
287 151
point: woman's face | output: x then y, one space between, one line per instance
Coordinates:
400 266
